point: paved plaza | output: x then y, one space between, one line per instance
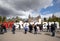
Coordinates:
20 36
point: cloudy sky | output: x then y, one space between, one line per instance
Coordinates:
23 8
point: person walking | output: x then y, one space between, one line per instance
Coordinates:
1 29
5 30
30 28
13 29
53 28
26 29
19 27
48 27
41 27
35 29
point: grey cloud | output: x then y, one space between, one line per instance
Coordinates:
8 12
4 11
23 5
28 4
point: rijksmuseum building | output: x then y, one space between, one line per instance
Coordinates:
34 19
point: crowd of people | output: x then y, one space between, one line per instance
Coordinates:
30 28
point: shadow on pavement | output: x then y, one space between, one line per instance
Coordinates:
48 34
57 36
39 33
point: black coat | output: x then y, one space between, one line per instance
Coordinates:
48 26
30 27
35 28
13 28
40 26
53 27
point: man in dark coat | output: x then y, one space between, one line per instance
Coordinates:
48 27
5 30
35 29
30 28
13 29
41 27
53 28
1 29
19 27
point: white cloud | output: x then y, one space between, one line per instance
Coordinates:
57 14
46 16
27 13
50 15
